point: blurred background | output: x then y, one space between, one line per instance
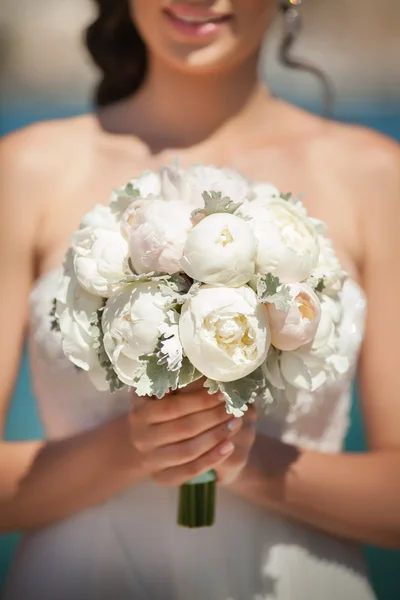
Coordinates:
45 73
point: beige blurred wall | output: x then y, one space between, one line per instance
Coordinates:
356 41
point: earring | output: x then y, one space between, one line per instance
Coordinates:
291 30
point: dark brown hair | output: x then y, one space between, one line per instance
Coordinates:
118 51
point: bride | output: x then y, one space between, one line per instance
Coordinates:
97 498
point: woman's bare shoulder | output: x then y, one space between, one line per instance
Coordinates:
361 159
36 158
46 144
363 148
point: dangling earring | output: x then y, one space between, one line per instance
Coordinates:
292 28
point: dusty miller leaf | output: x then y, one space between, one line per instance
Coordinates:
268 285
112 379
153 379
269 289
130 190
281 299
187 373
179 297
54 320
287 196
212 386
215 203
142 278
170 351
320 285
241 392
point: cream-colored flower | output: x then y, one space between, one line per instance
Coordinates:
287 242
130 323
225 332
157 231
321 362
329 268
99 259
220 250
75 308
189 185
297 326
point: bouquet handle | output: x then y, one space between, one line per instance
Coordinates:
197 501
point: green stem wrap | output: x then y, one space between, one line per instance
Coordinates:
197 501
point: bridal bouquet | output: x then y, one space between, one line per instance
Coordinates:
198 273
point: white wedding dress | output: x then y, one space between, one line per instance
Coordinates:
130 547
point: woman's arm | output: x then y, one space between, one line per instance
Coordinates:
42 481
356 496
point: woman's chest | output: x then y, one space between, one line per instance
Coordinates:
323 194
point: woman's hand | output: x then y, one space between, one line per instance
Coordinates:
243 440
186 434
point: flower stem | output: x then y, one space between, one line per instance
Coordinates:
197 501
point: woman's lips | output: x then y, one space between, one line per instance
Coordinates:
194 21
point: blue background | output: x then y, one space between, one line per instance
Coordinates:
23 422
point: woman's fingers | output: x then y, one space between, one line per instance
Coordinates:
162 434
178 475
179 405
191 449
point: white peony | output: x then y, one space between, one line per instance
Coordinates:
225 332
328 268
297 326
75 308
189 185
264 190
99 259
220 250
175 184
312 366
157 231
148 184
130 323
101 217
287 242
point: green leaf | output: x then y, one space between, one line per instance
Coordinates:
212 386
268 285
240 392
142 278
142 382
270 289
281 299
112 378
169 348
54 320
188 373
287 196
244 390
131 191
179 297
154 379
320 285
215 203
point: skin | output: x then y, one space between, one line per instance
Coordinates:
50 176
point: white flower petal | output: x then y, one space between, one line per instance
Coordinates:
99 261
224 332
287 242
131 321
157 231
298 325
220 250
